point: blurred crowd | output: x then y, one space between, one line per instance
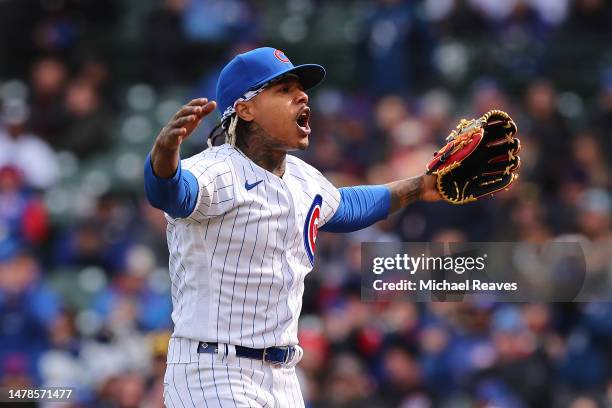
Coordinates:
84 288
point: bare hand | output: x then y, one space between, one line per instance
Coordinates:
183 123
165 154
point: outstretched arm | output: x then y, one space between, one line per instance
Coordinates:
362 206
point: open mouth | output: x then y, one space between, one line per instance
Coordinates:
303 119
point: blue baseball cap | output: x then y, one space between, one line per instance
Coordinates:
253 69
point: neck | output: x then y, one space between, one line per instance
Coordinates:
258 148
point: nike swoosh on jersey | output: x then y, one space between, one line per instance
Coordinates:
250 186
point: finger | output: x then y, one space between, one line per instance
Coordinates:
208 108
202 111
192 106
183 121
177 132
187 110
197 102
189 131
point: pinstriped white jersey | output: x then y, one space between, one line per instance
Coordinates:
238 262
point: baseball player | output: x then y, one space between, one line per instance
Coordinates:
242 227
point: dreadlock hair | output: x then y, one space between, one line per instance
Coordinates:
231 129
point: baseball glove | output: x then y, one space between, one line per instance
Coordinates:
480 158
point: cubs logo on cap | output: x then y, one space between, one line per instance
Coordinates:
311 227
253 69
281 56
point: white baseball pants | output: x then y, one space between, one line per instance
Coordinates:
209 380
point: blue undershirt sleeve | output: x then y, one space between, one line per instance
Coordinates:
360 207
177 195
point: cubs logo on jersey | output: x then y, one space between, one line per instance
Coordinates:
311 227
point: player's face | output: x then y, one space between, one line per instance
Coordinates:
282 112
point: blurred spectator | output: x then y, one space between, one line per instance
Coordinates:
126 391
102 239
27 308
61 364
521 365
527 216
159 346
48 78
589 17
552 12
130 302
495 10
584 402
23 217
589 158
85 121
402 378
23 150
594 220
548 128
437 108
487 95
454 19
150 231
348 385
393 30
228 20
602 118
167 45
57 30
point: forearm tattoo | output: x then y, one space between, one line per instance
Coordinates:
405 192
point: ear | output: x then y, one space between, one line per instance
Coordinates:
245 111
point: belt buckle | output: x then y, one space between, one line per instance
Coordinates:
263 356
288 356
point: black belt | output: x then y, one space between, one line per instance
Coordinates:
274 355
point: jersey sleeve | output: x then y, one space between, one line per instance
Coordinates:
215 187
331 198
176 195
360 207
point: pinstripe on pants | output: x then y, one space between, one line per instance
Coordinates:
201 380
